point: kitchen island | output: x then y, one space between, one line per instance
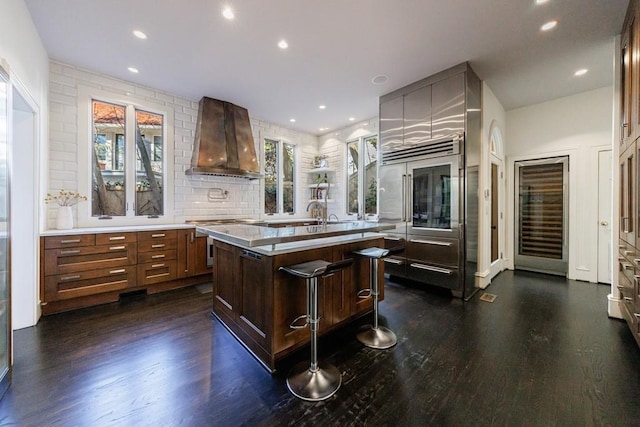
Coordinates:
257 303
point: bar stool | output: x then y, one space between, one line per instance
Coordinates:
313 381
375 336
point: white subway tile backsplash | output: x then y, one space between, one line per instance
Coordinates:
190 192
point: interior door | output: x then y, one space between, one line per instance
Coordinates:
495 252
542 201
604 216
5 276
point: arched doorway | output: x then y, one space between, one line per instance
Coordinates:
496 204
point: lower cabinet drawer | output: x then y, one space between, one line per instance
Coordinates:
156 272
84 283
395 266
157 256
434 275
432 250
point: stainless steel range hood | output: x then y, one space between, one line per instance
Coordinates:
224 142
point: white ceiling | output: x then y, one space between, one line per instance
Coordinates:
335 48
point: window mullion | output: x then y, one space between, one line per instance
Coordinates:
130 161
361 174
280 167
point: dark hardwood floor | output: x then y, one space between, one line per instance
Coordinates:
544 353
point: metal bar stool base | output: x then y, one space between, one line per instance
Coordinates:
379 338
314 386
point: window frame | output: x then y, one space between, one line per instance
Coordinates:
86 96
279 183
361 176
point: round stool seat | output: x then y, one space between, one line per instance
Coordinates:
314 381
376 336
377 253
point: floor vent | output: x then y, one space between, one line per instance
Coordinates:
488 297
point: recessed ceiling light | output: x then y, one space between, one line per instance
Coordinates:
541 1
292 120
580 72
282 44
228 13
134 70
549 25
139 34
351 119
322 129
380 79
322 107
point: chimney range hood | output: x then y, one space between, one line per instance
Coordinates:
223 142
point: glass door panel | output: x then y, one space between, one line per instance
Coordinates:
5 302
434 195
541 186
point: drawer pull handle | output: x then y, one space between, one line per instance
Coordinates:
157 275
627 266
431 268
70 252
627 252
157 265
393 261
627 299
74 277
394 239
158 246
117 248
157 256
637 316
154 236
70 241
430 242
121 270
117 238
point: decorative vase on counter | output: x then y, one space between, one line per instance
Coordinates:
64 221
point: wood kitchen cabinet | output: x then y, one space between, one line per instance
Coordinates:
258 303
159 250
86 269
192 254
80 270
629 186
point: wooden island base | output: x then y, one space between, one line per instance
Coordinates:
257 303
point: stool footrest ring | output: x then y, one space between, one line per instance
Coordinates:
293 324
364 293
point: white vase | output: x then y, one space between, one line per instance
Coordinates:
64 221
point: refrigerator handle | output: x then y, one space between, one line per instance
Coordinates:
409 203
404 202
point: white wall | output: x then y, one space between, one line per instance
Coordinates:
190 192
493 115
334 146
578 126
23 52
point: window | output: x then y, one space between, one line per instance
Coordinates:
279 177
362 176
123 159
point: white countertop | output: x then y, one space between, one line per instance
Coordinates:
123 229
274 240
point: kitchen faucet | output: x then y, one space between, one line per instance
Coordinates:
323 208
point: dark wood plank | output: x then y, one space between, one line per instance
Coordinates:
543 353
